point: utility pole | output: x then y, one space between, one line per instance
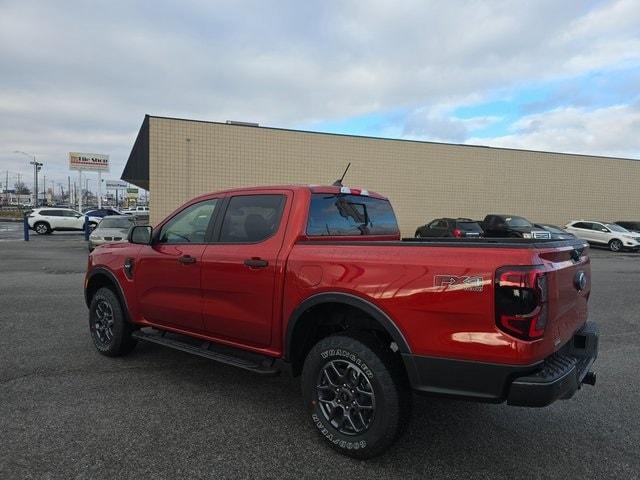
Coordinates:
36 168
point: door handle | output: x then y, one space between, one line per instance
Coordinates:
256 262
186 259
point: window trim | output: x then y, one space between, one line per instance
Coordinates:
217 229
208 232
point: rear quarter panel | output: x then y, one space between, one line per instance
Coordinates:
440 297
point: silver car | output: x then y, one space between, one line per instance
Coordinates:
111 229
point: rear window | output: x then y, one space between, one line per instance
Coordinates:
469 227
343 215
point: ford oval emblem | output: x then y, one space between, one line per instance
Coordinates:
580 281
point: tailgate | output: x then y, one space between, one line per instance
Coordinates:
569 284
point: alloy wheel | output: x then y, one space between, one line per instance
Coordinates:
346 397
103 323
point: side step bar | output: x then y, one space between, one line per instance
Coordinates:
238 358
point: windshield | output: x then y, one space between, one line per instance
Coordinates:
616 228
552 228
518 222
116 222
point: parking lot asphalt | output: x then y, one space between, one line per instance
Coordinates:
67 412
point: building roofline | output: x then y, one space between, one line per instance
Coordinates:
370 137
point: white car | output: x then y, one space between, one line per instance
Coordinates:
137 210
47 219
614 236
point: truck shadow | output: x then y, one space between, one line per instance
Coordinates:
464 438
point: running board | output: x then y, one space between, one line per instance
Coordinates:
229 356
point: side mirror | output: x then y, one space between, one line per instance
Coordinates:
605 230
140 234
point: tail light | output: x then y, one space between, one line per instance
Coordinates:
458 233
522 301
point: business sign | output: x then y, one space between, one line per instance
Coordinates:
132 193
115 184
88 162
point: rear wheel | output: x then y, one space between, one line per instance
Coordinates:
615 245
42 228
110 332
357 394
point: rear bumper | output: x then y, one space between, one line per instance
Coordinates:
557 377
561 375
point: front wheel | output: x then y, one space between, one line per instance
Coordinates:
110 332
357 394
615 245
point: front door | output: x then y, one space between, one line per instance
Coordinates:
239 270
167 272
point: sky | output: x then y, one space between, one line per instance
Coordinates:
543 75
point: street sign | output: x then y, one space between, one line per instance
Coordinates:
115 184
88 162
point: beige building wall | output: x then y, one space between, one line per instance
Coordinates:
423 180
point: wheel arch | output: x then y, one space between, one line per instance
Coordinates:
303 316
101 277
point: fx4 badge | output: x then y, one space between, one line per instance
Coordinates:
471 283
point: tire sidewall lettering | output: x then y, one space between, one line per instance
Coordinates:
340 352
355 445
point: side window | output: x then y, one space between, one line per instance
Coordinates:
52 213
251 218
68 213
434 224
190 225
598 227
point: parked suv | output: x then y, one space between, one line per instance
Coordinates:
46 220
614 236
450 227
512 226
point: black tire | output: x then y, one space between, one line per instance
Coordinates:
615 245
110 331
368 368
42 228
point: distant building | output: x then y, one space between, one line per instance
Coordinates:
177 159
10 197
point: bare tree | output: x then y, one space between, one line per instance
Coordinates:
21 189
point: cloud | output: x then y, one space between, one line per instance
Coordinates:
613 130
81 76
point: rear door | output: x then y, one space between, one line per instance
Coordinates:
239 269
167 274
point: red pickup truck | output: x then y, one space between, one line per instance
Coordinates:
316 280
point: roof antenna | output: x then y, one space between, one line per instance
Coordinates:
338 183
